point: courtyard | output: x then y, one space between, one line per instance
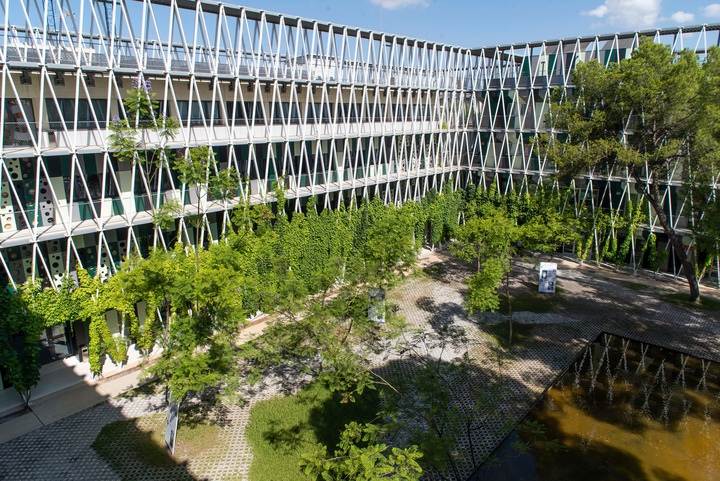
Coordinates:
590 301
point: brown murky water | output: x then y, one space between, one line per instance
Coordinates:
624 410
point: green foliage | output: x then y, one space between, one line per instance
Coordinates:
656 258
129 136
499 230
483 286
20 329
360 457
668 103
283 428
194 170
202 304
129 139
441 212
335 318
225 184
164 217
93 299
634 218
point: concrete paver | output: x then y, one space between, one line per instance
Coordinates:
18 426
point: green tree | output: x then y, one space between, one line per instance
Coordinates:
493 239
701 177
28 311
647 114
152 280
20 331
203 312
333 322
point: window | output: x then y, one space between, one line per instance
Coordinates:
86 117
287 112
254 111
16 130
94 187
239 113
350 112
319 112
196 111
379 112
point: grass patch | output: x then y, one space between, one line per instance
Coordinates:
530 301
282 429
522 333
634 286
682 299
141 441
434 271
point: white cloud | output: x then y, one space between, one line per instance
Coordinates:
599 12
682 17
627 13
395 4
712 10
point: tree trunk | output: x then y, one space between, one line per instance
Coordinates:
25 396
198 221
507 294
656 200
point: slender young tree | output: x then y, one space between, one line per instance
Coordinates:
495 236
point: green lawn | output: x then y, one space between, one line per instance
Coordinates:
682 299
634 286
532 301
129 442
522 333
282 429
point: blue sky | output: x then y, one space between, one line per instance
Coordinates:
475 23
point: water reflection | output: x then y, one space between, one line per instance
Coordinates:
623 410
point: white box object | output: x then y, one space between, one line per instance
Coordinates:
547 277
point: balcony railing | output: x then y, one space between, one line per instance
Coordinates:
18 134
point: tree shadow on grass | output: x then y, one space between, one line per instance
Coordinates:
204 407
322 412
131 449
329 419
286 439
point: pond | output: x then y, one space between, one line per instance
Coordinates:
624 410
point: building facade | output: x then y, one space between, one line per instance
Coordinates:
328 110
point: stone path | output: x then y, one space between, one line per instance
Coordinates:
590 304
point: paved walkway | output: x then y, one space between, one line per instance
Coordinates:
593 300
